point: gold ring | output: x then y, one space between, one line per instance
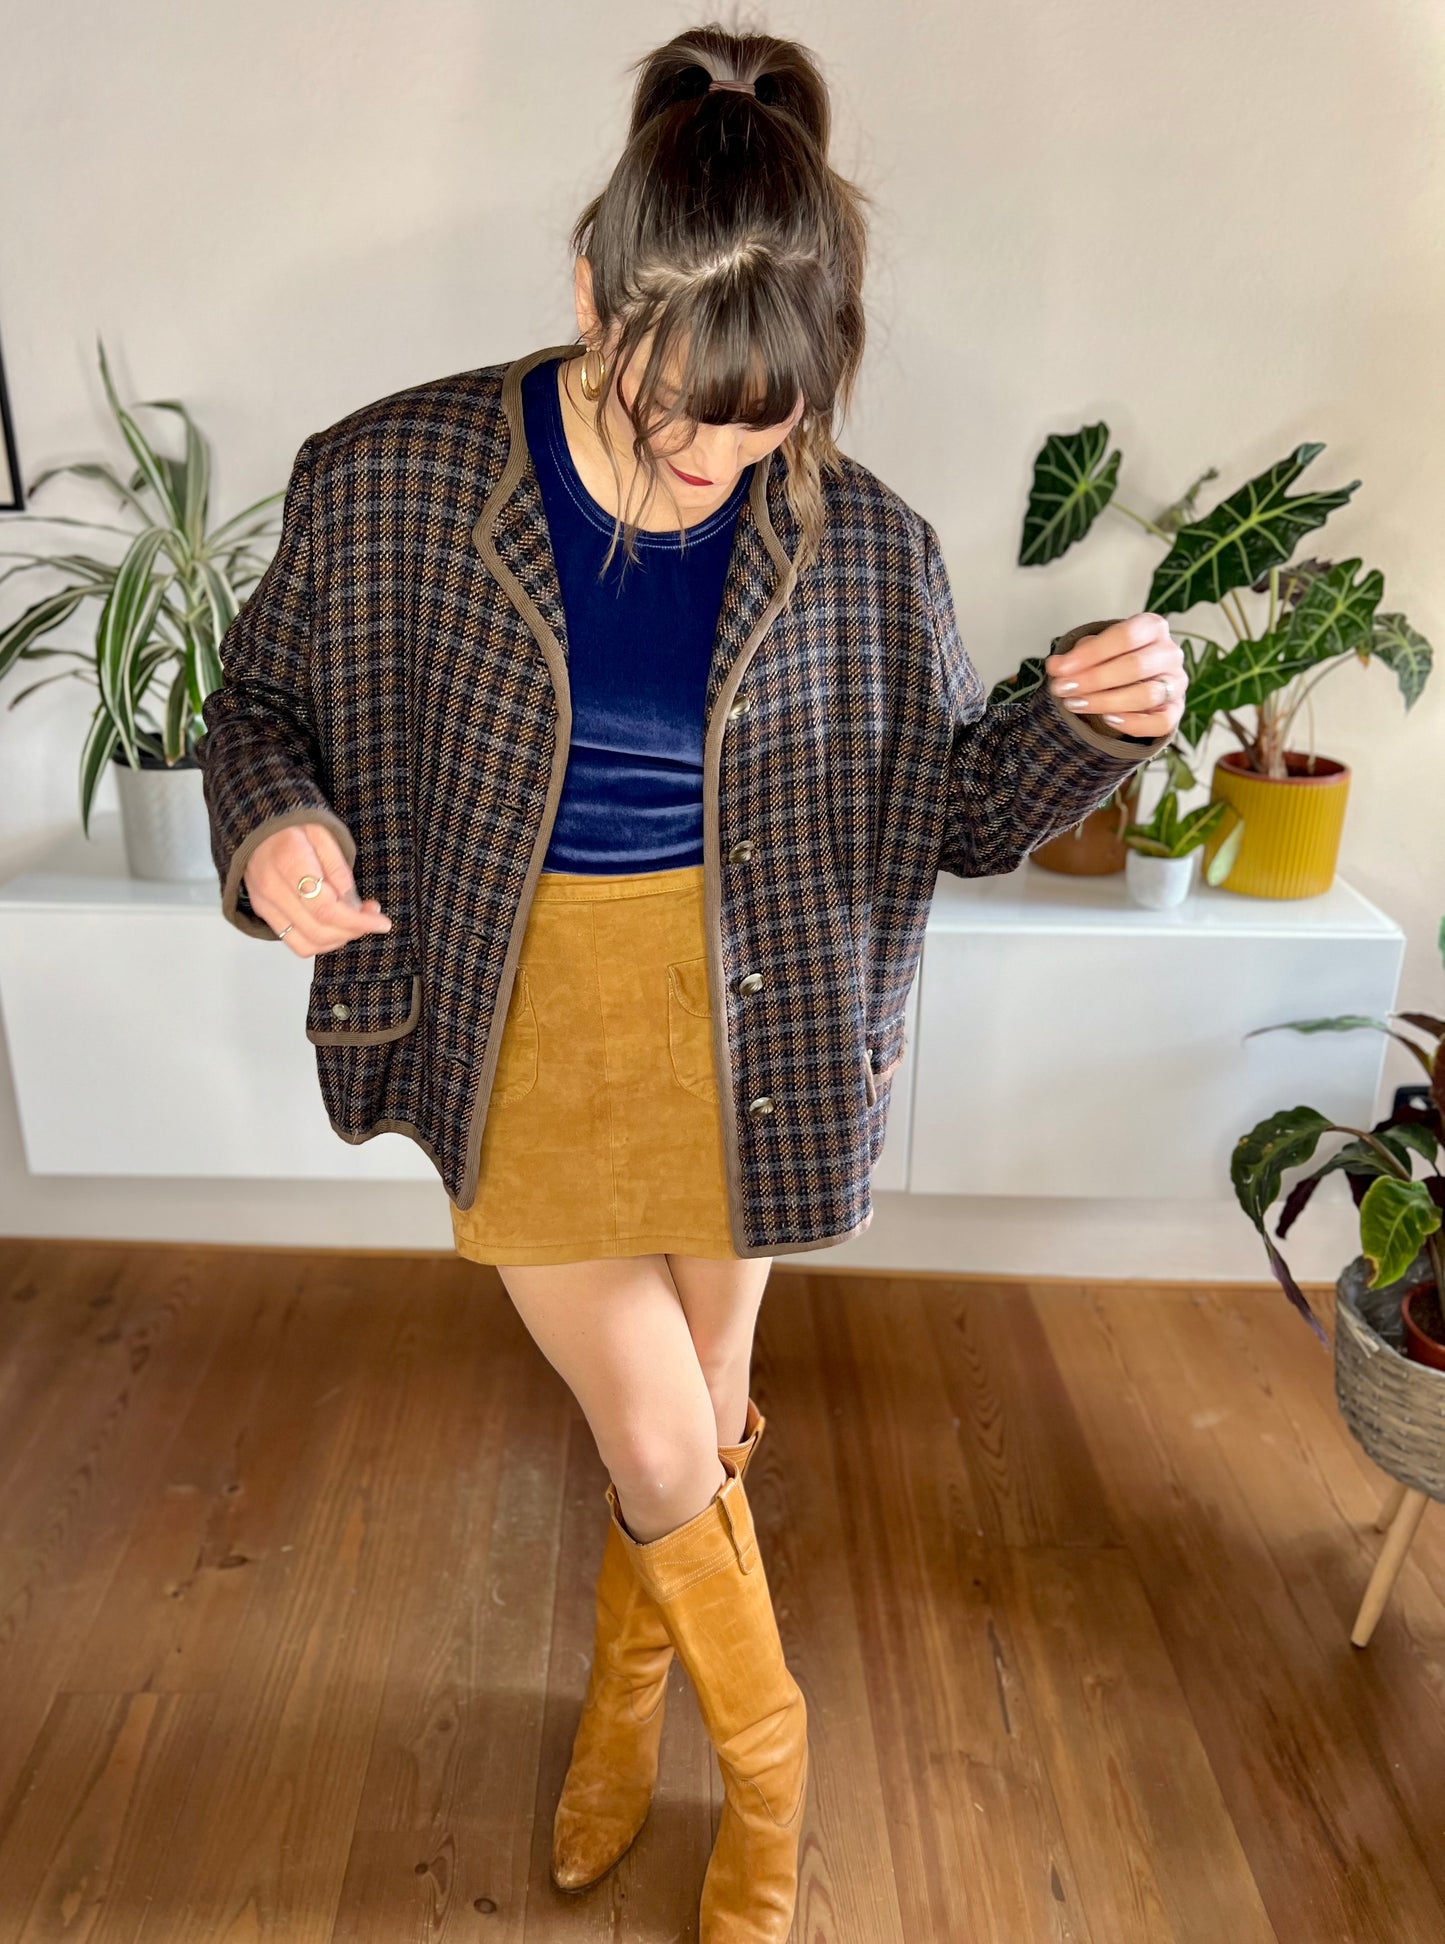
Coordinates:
315 882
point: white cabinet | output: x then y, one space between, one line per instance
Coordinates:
1073 1044
1060 1041
149 1037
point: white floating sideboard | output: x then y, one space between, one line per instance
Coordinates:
1062 1042
1073 1044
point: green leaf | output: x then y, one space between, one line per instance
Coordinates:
191 476
1334 616
1221 862
1356 1158
1073 483
93 469
46 614
1200 824
178 711
100 741
62 675
125 627
151 467
1250 671
232 530
1177 773
1412 1134
1398 646
1346 1023
1335 1023
1255 529
1284 1140
1395 1218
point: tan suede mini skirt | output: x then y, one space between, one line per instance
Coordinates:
603 1135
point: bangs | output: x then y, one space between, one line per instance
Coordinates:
717 371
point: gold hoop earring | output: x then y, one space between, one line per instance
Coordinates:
592 391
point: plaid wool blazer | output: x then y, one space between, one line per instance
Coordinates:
399 674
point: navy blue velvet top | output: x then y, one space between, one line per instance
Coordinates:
639 650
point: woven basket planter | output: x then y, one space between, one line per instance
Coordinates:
1394 1406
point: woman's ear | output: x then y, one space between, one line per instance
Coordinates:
582 298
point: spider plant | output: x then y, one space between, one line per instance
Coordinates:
164 605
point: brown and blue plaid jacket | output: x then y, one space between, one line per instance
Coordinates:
399 674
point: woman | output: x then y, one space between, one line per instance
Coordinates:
643 709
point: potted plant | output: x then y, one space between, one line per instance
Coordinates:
1399 1211
1162 852
164 608
1320 614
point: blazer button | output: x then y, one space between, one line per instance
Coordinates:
751 982
762 1105
740 706
741 853
338 1011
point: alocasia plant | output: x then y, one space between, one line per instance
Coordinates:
1320 613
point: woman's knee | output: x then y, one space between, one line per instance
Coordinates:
658 1464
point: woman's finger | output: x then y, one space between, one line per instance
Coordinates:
1152 722
1140 634
292 930
1157 694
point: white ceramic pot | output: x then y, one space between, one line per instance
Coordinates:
1159 882
165 824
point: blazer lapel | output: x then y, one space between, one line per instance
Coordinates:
511 530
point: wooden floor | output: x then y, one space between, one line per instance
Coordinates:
297 1564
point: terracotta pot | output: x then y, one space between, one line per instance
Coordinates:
1419 1346
1096 846
1292 824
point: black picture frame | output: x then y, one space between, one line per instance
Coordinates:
12 489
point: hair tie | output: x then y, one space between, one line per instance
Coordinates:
743 87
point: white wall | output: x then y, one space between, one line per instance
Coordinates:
1219 229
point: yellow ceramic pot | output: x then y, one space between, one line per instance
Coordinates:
1292 824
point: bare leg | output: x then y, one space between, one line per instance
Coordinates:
616 1333
721 1302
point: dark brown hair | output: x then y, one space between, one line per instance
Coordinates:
724 230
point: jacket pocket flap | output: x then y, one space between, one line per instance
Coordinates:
355 1010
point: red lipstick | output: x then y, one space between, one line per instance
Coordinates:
689 477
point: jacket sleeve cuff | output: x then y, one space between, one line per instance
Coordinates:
235 905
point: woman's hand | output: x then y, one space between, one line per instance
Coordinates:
309 854
1131 674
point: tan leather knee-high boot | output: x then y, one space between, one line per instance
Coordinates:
708 1581
613 1771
